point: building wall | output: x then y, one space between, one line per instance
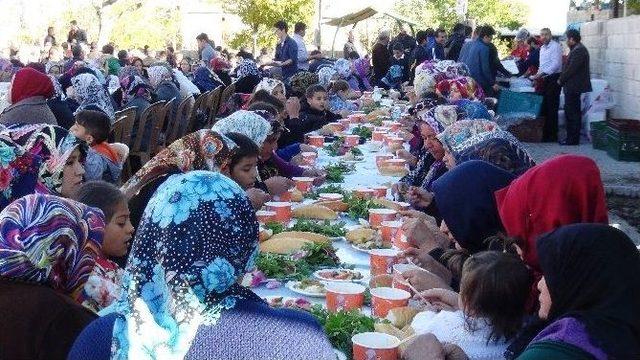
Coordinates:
614 48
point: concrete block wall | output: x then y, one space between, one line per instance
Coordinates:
614 49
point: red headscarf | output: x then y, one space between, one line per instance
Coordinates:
561 191
218 64
29 82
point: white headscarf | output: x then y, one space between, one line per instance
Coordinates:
246 123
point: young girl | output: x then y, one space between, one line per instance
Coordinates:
338 97
103 285
243 165
489 310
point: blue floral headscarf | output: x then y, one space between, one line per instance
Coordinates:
393 78
198 235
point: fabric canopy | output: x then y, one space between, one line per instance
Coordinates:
355 17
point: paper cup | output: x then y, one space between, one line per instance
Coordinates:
363 193
382 261
384 299
351 140
377 216
395 126
345 123
399 164
282 210
399 240
309 157
388 230
380 159
303 184
344 296
316 140
330 197
403 206
375 346
284 197
380 191
336 126
265 217
378 135
395 143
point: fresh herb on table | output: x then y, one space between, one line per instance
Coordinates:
342 325
334 149
377 121
336 172
331 188
359 208
276 227
356 152
363 132
320 227
298 265
320 254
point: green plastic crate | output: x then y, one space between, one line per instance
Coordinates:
599 135
623 147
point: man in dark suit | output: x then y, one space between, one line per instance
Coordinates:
575 79
76 35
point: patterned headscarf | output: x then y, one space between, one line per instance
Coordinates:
201 150
247 68
466 86
89 92
51 241
57 88
52 144
473 109
301 81
441 116
423 83
461 134
204 79
445 69
133 86
18 171
169 292
393 76
326 75
247 123
362 68
269 85
158 74
127 71
343 68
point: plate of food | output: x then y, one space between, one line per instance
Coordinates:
339 275
280 302
308 287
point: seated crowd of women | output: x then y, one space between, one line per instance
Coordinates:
521 262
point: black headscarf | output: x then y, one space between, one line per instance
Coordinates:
593 275
465 200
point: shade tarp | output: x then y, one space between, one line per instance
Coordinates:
364 14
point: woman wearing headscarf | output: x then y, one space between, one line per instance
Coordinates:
326 75
48 247
221 68
484 140
88 92
274 87
301 81
417 185
588 296
59 106
344 70
188 304
361 70
205 80
187 87
393 78
165 89
563 190
248 76
58 153
28 94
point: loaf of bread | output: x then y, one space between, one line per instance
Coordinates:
360 235
283 245
317 212
335 205
318 238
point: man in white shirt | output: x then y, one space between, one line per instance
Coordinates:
303 56
549 73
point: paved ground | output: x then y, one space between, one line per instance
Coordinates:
621 179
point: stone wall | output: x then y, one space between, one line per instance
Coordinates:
614 48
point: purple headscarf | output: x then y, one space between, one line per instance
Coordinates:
362 67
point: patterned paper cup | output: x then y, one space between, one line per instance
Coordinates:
380 159
377 216
403 206
316 140
336 126
303 184
384 299
395 143
395 126
375 346
265 217
378 135
380 191
345 123
388 230
398 280
382 261
363 193
330 197
351 140
344 296
399 240
309 157
282 210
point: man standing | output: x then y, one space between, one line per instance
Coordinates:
455 42
76 35
419 54
380 57
300 30
50 38
286 51
575 79
478 60
436 52
548 74
205 47
349 46
407 41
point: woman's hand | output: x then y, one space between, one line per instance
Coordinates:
422 347
443 299
419 197
407 156
278 185
423 280
298 160
423 234
319 176
422 258
416 214
257 197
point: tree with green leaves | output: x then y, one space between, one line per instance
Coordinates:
260 15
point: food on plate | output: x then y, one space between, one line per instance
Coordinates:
393 170
314 211
360 235
335 205
289 303
402 316
320 227
296 195
310 286
265 234
318 238
339 274
283 245
389 204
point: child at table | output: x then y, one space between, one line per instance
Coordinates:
104 161
243 165
489 310
315 111
339 92
103 285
